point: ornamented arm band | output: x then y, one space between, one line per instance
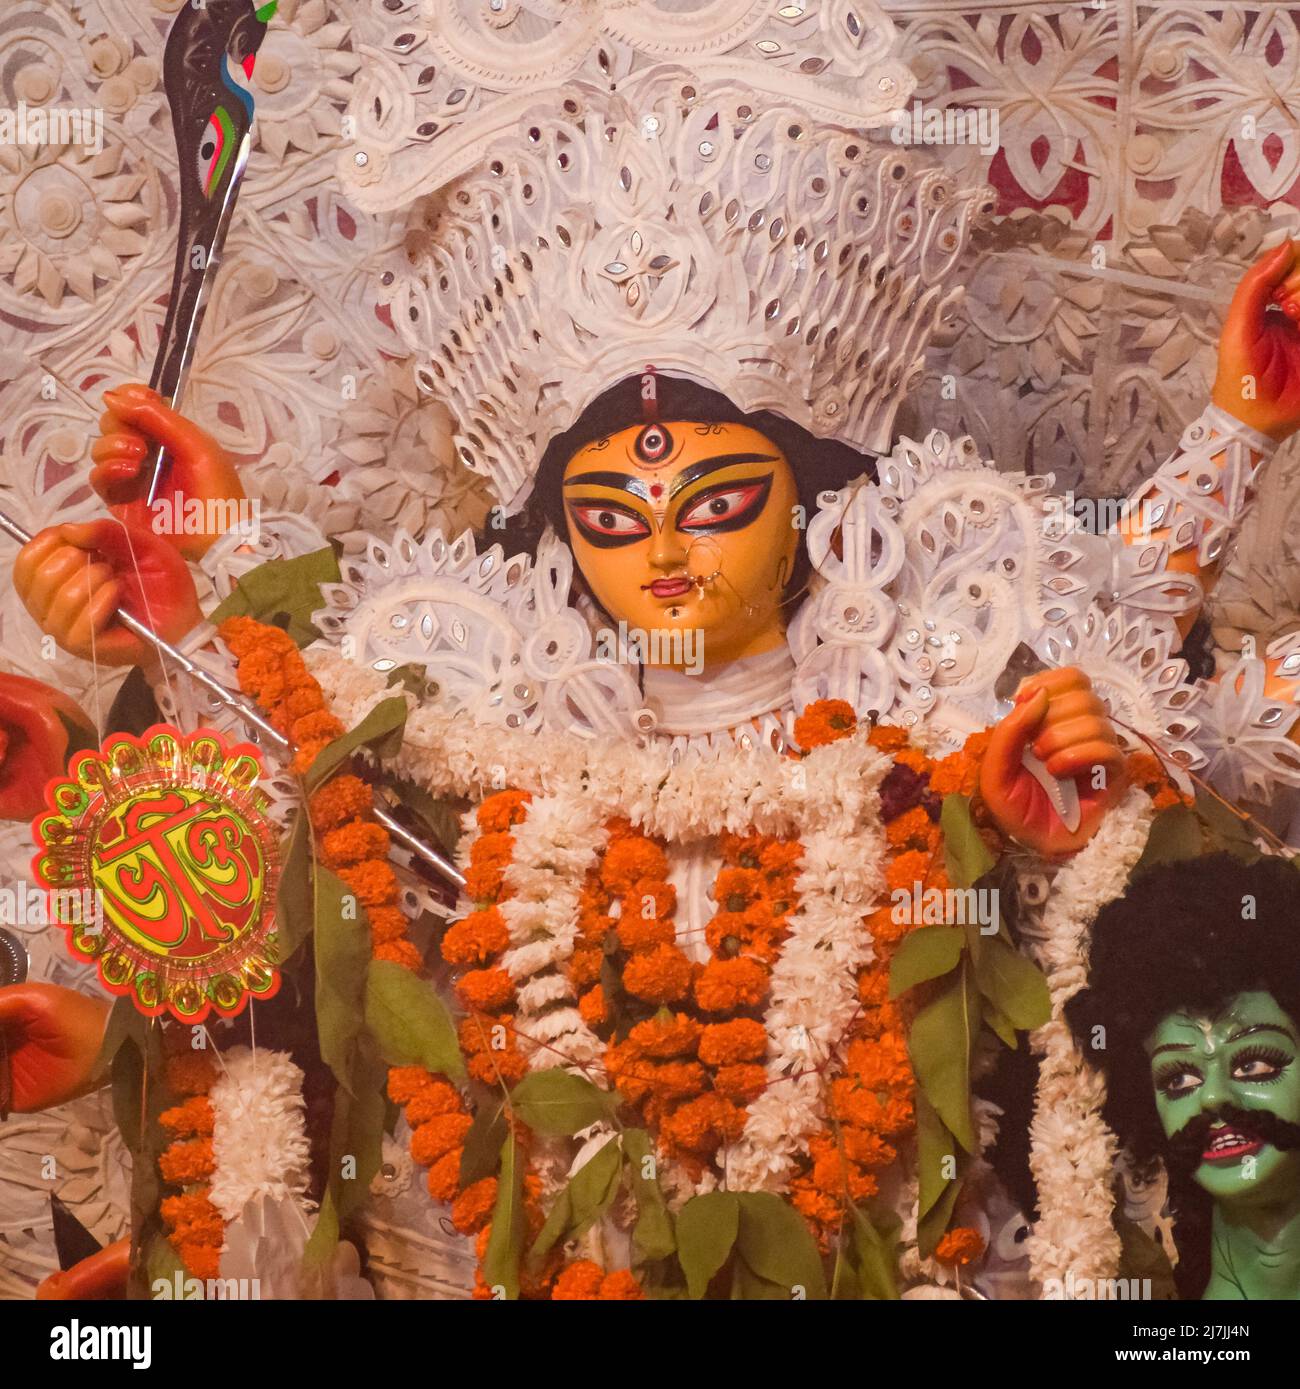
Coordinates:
1197 500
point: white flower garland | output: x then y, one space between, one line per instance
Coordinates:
830 801
1072 1152
259 1134
555 846
814 994
706 792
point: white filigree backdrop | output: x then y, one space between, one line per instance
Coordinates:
1146 150
1161 134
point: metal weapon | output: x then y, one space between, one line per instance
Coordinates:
207 64
241 707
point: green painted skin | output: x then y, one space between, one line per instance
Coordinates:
1247 1057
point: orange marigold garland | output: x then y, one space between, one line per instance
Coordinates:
870 1102
194 1226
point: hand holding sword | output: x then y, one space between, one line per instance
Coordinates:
114 589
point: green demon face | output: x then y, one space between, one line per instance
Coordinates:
1222 1085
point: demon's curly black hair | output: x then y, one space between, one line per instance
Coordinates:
819 465
1186 936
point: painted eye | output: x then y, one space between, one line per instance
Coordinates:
606 520
715 508
1175 1084
653 444
1260 1064
214 150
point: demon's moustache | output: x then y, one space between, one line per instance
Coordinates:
1188 1146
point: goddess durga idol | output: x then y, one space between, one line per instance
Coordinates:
732 681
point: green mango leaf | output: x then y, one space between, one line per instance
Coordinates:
877 1258
707 1227
283 592
506 1242
588 1194
162 1263
294 916
125 1023
846 1286
998 1022
559 1103
1013 984
747 1286
324 1238
1141 1257
934 1146
933 1225
940 1043
1175 835
381 730
653 1232
1224 829
438 817
938 1193
410 1023
133 708
139 1097
412 678
80 738
966 856
342 945
482 1149
776 1244
924 953
358 1132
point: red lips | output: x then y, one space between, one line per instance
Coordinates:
1229 1145
669 588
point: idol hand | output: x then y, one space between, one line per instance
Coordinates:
101 1276
73 578
197 500
53 1036
1258 379
1059 718
33 742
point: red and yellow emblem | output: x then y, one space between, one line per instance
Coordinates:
162 867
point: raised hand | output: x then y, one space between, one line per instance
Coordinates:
198 475
73 578
53 1036
1258 380
1059 717
33 742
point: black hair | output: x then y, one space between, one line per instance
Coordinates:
819 465
1188 937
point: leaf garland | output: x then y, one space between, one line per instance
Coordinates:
410 1023
586 1197
283 593
707 1227
652 1235
342 944
770 1249
381 731
964 980
559 1103
505 1243
294 907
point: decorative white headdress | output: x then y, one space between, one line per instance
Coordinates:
704 219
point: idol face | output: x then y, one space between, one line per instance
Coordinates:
686 527
1243 1059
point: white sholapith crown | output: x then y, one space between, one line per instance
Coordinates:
792 266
